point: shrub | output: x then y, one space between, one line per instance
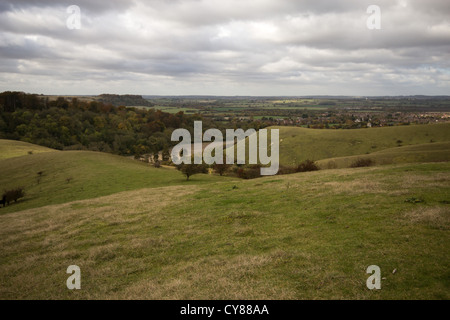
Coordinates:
307 165
362 163
13 194
241 173
253 172
221 168
39 176
249 172
286 170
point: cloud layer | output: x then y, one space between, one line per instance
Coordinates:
233 47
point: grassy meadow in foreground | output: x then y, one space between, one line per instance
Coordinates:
302 236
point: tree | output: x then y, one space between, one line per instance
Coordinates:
188 169
191 169
221 168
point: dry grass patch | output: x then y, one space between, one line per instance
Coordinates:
358 186
303 236
106 236
435 217
441 179
216 277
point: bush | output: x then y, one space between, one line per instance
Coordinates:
249 172
362 163
286 170
221 168
13 194
307 165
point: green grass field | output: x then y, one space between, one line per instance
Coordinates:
303 236
138 232
298 144
386 145
428 152
11 149
90 174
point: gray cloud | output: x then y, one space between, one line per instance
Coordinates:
255 47
97 7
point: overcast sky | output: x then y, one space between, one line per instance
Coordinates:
226 47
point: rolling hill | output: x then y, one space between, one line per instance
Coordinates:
75 175
298 144
13 148
301 236
138 232
428 152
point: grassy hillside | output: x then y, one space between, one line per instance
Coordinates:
13 148
302 236
298 144
429 152
75 175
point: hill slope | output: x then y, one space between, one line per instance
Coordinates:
298 144
75 175
13 148
429 152
302 236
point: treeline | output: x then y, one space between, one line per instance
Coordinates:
89 125
74 124
124 100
